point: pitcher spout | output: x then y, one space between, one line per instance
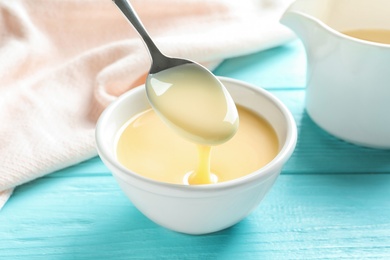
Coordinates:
305 18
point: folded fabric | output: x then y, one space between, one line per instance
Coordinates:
63 61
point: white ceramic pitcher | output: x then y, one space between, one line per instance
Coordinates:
348 80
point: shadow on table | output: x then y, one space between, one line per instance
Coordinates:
126 234
319 152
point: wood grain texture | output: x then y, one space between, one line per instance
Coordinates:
332 200
303 217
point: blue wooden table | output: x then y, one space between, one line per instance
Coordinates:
332 199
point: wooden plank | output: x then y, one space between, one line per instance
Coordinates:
304 217
280 67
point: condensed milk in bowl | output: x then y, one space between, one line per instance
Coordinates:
153 165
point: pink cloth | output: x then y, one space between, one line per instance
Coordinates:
63 61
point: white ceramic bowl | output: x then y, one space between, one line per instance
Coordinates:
205 208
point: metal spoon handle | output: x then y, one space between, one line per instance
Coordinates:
160 62
132 16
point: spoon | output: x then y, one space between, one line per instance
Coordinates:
184 94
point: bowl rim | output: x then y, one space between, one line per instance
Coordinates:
263 173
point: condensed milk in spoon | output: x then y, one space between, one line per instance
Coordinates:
188 98
197 106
